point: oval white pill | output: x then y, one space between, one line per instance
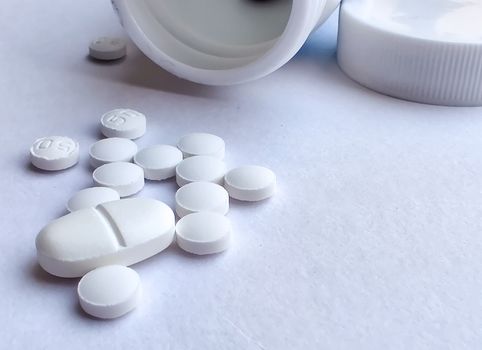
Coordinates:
54 153
110 150
108 49
250 183
122 232
126 178
109 291
91 197
200 168
125 123
201 196
159 162
203 233
202 144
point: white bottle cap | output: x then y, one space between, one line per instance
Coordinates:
418 50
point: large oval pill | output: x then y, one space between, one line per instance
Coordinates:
109 291
125 178
201 196
122 232
200 168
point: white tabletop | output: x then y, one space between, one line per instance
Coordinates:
373 242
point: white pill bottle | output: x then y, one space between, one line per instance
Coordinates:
221 42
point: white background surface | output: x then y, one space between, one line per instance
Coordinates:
374 241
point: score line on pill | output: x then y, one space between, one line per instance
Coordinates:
91 197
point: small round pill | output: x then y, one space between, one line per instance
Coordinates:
201 196
202 144
250 183
109 291
54 153
159 162
200 168
108 49
125 123
110 150
126 178
203 233
91 197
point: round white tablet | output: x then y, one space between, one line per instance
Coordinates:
202 144
159 162
126 178
110 150
201 196
125 123
203 233
200 168
250 183
54 153
107 49
91 197
109 291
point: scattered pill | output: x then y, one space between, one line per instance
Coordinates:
203 233
54 153
109 291
126 178
200 168
110 150
202 144
123 232
159 162
201 196
125 123
91 197
250 183
108 49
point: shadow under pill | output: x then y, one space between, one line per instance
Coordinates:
41 276
193 257
234 203
105 62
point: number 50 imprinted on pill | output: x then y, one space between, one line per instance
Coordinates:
54 153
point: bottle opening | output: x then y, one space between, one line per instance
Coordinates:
212 34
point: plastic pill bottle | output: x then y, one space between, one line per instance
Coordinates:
221 42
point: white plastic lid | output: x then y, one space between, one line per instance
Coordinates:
427 51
